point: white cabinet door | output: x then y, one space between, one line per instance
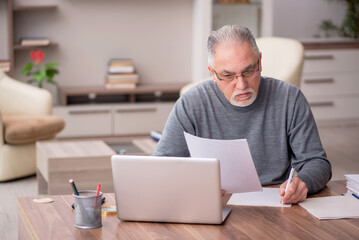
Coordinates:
330 84
140 118
324 61
330 81
334 108
85 120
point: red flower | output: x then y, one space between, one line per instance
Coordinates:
37 57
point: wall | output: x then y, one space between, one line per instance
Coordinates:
156 34
300 19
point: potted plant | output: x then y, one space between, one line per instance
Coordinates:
350 24
39 71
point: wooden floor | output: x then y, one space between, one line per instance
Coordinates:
340 142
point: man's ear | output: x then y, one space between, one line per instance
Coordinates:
210 69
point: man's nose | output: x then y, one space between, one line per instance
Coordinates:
241 83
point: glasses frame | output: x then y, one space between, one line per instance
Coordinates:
236 76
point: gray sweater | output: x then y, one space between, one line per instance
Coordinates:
278 125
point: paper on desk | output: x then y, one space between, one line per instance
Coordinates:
333 207
353 182
238 173
269 197
352 177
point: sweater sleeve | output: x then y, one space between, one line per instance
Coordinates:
173 142
308 156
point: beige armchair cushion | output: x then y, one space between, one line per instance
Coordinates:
22 129
282 58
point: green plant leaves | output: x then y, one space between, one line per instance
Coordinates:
50 73
51 65
41 73
350 24
26 70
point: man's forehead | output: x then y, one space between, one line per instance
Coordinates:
243 48
233 45
235 54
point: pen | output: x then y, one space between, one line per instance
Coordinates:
71 181
289 180
355 196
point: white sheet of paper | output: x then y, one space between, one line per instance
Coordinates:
353 182
352 177
238 173
333 207
269 198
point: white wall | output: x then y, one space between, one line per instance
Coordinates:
156 34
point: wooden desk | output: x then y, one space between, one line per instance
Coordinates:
55 221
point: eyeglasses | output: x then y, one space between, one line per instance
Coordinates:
230 77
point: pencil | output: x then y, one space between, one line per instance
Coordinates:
72 183
83 210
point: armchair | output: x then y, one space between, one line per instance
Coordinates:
25 117
282 58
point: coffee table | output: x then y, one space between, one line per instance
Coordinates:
87 162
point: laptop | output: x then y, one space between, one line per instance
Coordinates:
168 189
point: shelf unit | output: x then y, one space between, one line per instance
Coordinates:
97 111
34 8
248 15
100 94
11 11
330 79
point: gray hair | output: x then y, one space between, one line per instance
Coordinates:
229 34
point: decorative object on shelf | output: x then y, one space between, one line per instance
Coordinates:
40 72
350 24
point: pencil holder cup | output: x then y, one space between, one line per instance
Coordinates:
88 209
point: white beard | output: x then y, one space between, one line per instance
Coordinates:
239 103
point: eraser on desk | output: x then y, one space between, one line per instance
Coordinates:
43 200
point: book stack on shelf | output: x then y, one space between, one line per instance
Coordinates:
35 41
121 74
234 2
5 65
